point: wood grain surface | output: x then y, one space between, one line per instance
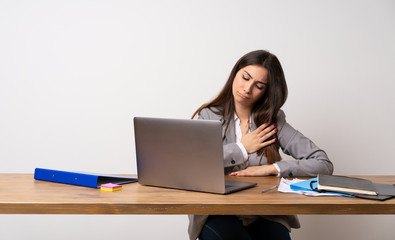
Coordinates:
21 194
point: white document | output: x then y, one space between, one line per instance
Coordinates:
285 187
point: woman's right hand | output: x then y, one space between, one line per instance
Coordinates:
257 139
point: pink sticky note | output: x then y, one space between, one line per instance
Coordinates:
110 185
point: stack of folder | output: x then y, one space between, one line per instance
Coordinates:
358 187
347 186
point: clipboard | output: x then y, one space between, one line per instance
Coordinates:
92 180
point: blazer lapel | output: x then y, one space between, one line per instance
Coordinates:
230 135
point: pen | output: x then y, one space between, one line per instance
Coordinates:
269 188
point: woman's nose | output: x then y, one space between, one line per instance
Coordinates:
248 87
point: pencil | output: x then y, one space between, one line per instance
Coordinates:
269 188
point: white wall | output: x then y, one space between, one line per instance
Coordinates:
74 73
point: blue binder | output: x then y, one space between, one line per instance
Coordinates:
386 191
306 186
80 179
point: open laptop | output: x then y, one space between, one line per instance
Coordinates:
182 154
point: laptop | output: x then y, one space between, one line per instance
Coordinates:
182 154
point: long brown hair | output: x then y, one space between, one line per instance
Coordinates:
265 110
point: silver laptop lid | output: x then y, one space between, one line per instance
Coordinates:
178 153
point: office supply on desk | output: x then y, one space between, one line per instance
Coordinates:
336 183
310 186
182 154
80 179
300 186
269 188
358 187
110 187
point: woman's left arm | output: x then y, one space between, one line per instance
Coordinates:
310 160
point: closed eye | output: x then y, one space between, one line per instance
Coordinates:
261 85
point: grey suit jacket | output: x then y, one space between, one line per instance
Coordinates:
309 160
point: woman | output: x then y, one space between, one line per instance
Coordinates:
254 128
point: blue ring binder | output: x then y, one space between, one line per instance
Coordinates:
80 179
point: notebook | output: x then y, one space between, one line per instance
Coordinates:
346 184
182 154
361 188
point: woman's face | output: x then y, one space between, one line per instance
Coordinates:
249 85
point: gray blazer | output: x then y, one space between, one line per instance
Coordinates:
309 160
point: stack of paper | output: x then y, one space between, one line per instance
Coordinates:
301 187
337 185
110 187
358 187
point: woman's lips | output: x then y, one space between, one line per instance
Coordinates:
243 96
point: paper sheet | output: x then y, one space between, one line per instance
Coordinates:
285 187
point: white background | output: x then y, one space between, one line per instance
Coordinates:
74 73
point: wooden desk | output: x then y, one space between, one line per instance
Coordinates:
21 194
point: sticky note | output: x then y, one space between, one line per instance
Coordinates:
110 187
